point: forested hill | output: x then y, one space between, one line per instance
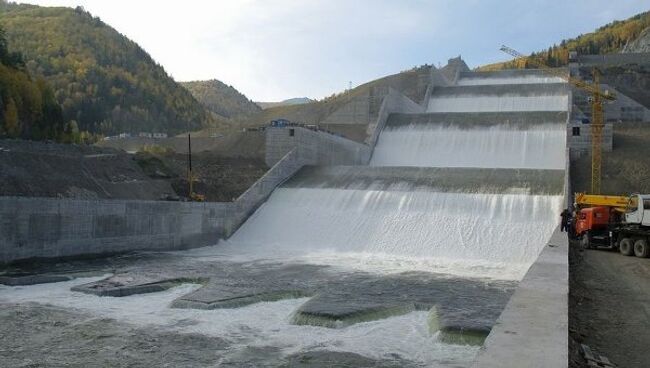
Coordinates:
611 38
220 98
28 108
103 81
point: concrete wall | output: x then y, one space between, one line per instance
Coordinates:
50 227
624 108
257 194
313 147
394 102
582 142
361 109
449 74
614 59
533 329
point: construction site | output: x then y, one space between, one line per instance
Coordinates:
410 227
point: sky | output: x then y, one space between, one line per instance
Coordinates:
272 50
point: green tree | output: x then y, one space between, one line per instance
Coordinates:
12 125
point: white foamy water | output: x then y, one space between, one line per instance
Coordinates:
265 324
467 234
529 79
499 146
479 103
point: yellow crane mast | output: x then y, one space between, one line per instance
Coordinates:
597 116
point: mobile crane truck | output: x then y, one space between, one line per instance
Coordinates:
610 222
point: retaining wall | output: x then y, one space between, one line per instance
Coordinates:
313 147
394 102
50 227
614 59
532 330
582 141
257 194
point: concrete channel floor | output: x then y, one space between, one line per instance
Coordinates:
317 296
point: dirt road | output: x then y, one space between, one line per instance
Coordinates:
609 305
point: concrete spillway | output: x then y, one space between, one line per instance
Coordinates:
466 221
492 140
472 189
507 77
499 98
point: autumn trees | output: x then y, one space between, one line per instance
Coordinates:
28 108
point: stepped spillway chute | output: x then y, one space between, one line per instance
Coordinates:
471 187
394 217
500 98
489 141
522 76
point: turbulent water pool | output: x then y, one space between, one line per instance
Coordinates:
271 311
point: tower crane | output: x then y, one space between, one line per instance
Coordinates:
597 116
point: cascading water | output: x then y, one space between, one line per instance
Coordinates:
503 146
467 234
528 79
461 231
481 103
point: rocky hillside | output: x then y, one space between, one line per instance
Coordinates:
221 99
611 38
104 82
641 44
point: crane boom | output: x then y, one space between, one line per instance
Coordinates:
597 115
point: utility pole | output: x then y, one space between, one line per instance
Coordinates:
189 166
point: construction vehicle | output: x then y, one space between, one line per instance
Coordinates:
611 222
596 100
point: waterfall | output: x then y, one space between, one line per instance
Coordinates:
503 146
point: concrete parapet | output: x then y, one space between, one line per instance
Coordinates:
532 330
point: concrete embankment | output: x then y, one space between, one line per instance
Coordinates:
532 331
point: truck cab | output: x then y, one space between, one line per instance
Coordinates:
592 219
638 210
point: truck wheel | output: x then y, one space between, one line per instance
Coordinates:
641 248
626 247
584 241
